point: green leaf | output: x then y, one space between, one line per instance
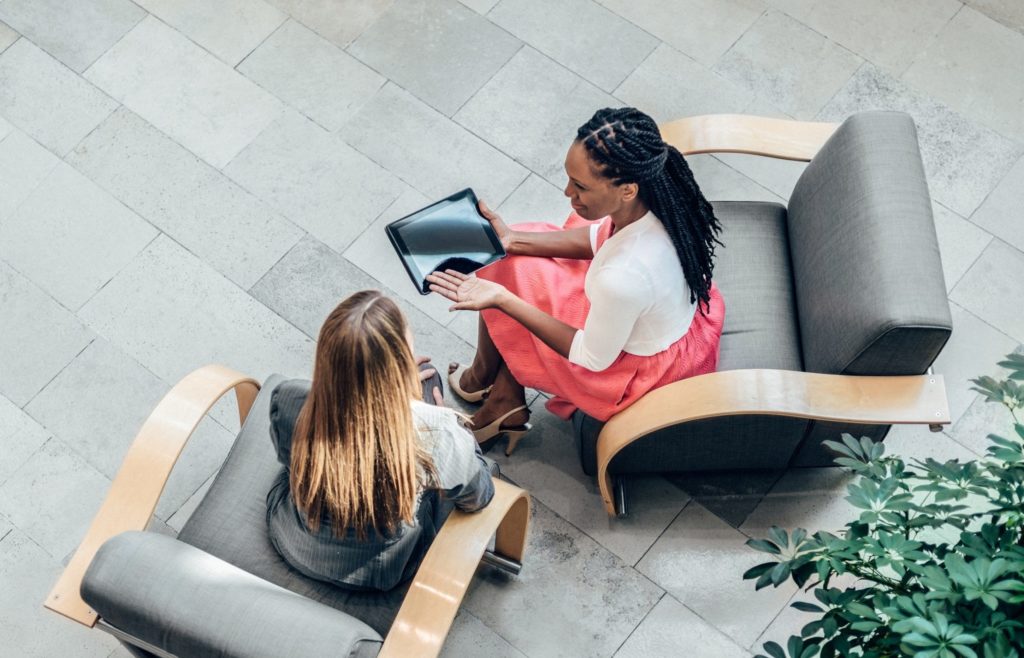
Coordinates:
774 650
754 572
805 606
764 546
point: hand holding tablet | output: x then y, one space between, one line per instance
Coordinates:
448 235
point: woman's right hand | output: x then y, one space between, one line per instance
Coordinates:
498 224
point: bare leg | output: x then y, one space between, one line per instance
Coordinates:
506 395
486 362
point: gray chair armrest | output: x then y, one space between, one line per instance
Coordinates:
189 603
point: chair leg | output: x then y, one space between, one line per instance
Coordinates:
620 496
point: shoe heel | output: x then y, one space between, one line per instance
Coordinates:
513 438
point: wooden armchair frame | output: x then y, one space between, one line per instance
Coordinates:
440 583
841 398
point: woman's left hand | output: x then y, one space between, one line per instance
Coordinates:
469 293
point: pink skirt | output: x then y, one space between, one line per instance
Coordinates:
555 286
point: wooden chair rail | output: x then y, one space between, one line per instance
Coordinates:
136 488
739 133
915 399
444 575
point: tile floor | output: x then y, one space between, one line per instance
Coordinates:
184 182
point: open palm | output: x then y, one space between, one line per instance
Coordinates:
469 293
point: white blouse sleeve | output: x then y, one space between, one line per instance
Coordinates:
618 296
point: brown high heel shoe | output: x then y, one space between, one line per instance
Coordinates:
454 378
494 430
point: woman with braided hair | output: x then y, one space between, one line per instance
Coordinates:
613 304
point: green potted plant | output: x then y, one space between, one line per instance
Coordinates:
936 556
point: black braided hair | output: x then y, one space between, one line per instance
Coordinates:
626 145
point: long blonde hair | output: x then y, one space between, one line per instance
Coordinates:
355 451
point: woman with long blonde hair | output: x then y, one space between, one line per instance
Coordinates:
370 469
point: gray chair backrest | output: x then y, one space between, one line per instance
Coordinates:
870 292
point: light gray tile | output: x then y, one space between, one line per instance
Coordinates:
604 47
184 91
23 165
28 573
779 176
787 63
960 243
172 313
5 128
975 80
230 29
703 29
547 464
700 561
913 442
531 110
178 520
890 34
720 182
730 496
810 498
981 419
466 325
373 253
338 21
669 85
671 626
53 497
46 100
76 33
7 36
950 144
70 237
469 638
1001 214
314 179
39 337
186 198
536 200
608 599
20 437
312 75
972 351
991 289
791 620
1008 12
448 51
480 6
428 150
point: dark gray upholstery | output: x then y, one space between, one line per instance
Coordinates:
190 603
230 523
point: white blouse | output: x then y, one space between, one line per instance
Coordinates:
639 299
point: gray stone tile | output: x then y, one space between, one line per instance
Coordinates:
1008 12
730 496
700 561
184 91
787 63
7 36
20 437
23 165
991 289
975 80
429 151
480 6
76 33
448 51
973 350
315 179
531 110
670 626
889 34
229 29
960 243
720 182
547 465
604 48
981 419
1000 214
70 237
373 253
338 21
186 198
172 313
703 29
46 100
312 75
28 573
791 620
809 498
5 128
913 442
950 144
53 497
40 337
535 200
178 520
668 85
608 599
469 638
466 325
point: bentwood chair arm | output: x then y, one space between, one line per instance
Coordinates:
739 133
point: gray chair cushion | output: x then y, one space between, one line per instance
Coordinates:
231 523
189 603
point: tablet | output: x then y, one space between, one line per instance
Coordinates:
448 235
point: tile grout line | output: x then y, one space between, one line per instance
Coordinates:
640 623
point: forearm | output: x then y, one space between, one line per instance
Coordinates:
571 243
553 332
